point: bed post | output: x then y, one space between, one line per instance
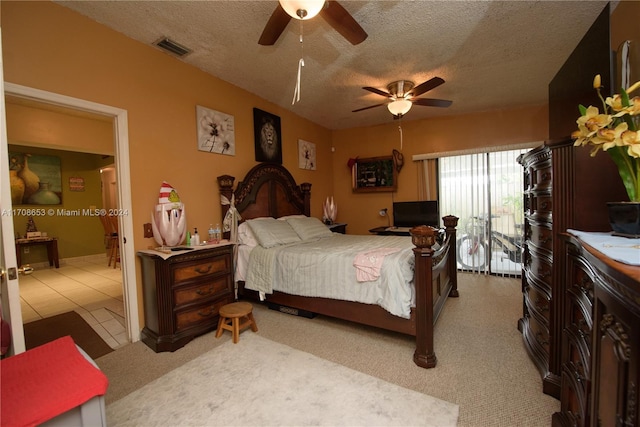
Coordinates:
225 184
450 223
424 237
305 187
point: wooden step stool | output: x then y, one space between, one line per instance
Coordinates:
230 316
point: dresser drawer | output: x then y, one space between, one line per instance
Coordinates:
537 301
210 289
541 268
542 178
541 205
573 397
539 334
201 268
542 237
205 313
577 353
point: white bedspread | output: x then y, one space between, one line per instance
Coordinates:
324 268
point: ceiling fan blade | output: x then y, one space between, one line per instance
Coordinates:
275 26
429 102
370 106
377 91
342 21
426 86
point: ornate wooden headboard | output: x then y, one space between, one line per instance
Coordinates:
267 190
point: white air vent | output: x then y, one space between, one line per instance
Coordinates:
172 47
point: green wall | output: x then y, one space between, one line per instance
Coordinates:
77 235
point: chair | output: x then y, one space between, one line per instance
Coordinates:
112 243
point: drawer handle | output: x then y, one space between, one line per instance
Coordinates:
545 239
543 272
206 313
202 271
205 291
541 340
544 205
546 176
542 305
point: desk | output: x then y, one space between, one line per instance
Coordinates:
50 242
385 231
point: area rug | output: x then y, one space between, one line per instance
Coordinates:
48 329
258 382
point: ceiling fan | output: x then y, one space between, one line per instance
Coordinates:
336 15
402 95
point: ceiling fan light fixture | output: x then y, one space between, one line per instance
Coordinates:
302 9
399 107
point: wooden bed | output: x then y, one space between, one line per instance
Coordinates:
270 190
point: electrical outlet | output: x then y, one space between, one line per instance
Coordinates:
25 250
148 231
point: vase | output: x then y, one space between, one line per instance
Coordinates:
44 196
624 218
31 180
17 188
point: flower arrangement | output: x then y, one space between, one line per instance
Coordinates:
617 131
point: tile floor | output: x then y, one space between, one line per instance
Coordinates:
85 285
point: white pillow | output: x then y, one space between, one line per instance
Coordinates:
245 235
286 217
270 232
309 228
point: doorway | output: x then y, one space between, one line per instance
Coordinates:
119 120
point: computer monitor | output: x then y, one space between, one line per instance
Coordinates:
410 214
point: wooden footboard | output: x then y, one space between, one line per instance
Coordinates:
435 278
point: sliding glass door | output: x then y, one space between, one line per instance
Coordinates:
485 192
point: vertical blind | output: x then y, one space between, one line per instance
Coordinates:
485 191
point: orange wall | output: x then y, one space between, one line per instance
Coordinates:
496 128
49 47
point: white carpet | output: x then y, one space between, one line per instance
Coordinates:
258 382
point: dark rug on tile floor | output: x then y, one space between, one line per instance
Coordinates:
48 329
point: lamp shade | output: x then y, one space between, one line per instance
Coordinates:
302 9
399 107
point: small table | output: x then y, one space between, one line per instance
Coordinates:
338 227
50 242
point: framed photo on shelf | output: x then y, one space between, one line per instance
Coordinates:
374 174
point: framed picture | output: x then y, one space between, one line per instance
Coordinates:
306 155
374 174
216 132
35 179
268 138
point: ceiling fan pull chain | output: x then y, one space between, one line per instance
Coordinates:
296 92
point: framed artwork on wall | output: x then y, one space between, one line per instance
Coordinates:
35 179
268 137
374 174
216 132
306 155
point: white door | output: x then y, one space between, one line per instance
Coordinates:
10 292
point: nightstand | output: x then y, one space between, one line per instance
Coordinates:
338 227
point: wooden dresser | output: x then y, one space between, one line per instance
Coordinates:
183 293
564 187
537 319
601 340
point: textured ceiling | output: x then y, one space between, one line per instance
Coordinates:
492 54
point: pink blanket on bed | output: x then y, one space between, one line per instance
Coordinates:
368 264
47 381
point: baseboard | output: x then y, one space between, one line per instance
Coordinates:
290 310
